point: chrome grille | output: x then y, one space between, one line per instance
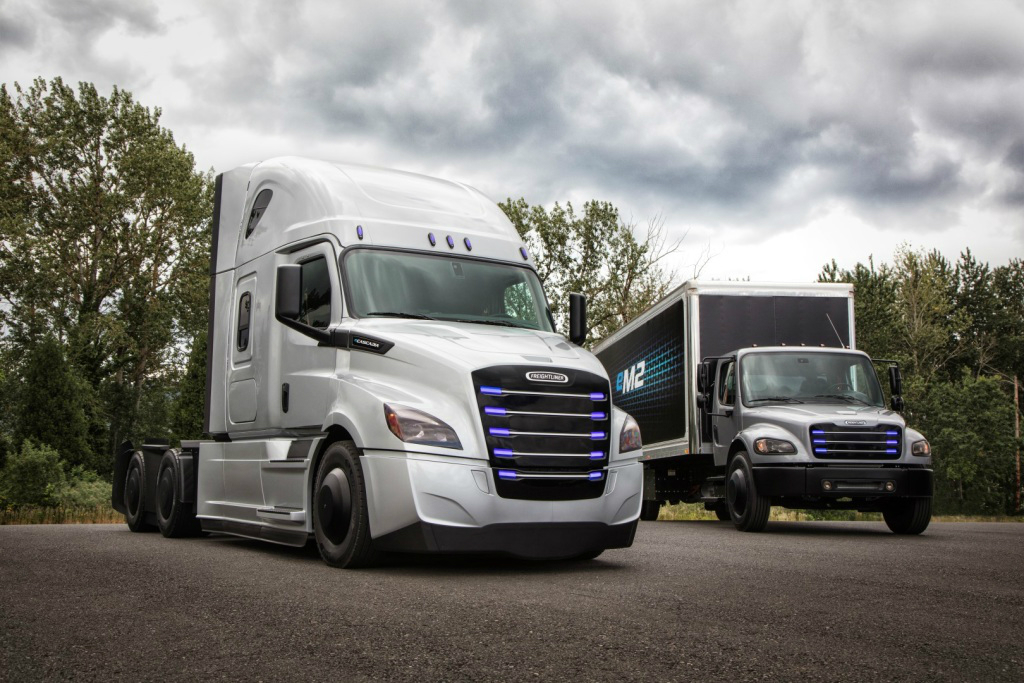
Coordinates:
847 442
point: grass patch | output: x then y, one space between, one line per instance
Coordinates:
696 512
62 514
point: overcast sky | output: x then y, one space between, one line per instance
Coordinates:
779 135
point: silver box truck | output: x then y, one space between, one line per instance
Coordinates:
752 395
383 375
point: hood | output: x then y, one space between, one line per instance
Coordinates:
807 414
477 344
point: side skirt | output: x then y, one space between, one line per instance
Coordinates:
294 538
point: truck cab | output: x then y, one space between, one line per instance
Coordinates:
384 375
809 428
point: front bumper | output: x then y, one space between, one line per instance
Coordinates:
423 503
846 482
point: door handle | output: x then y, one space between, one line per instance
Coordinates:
285 391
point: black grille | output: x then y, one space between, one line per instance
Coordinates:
847 442
546 439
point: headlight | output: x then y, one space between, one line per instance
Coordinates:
922 448
414 426
773 447
629 437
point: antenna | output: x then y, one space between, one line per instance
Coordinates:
838 336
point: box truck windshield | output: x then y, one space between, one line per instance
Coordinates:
390 283
809 378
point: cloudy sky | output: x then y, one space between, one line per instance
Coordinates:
775 135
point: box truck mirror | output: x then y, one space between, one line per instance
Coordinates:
577 318
288 299
895 381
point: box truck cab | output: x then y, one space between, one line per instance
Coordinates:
384 375
752 395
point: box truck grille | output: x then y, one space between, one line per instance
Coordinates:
547 437
846 442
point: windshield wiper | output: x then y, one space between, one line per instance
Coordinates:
789 399
843 397
501 323
399 314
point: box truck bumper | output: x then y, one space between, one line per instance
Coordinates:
844 482
426 504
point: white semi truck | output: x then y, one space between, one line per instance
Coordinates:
752 395
384 375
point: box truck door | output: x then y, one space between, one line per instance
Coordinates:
724 418
308 370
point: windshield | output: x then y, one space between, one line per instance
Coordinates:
794 377
409 285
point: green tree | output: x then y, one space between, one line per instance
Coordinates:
189 406
33 476
51 401
104 234
597 254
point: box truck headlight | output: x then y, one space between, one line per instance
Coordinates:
922 448
414 426
629 437
774 447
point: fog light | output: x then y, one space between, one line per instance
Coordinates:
890 486
827 485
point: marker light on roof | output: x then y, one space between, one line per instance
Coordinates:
451 242
433 240
522 250
469 245
359 231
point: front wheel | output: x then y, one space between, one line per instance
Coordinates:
748 509
649 510
909 516
341 521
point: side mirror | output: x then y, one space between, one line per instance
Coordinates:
896 387
289 297
703 372
577 318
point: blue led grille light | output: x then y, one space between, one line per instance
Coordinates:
891 442
817 431
821 450
490 410
596 396
892 433
504 453
498 431
596 455
596 476
891 451
596 435
598 415
491 391
507 474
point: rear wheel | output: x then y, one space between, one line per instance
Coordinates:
909 516
174 518
748 510
649 510
722 511
135 494
341 521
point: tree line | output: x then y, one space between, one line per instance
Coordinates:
104 273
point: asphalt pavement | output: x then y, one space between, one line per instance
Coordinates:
689 601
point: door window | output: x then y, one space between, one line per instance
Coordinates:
244 321
727 384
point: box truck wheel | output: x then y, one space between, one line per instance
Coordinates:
341 522
649 510
135 494
174 518
908 516
748 510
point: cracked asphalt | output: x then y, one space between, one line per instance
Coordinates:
689 601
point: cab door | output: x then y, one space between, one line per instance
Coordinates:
308 370
724 418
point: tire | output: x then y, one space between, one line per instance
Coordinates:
135 494
174 518
722 511
908 517
649 510
341 522
748 510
